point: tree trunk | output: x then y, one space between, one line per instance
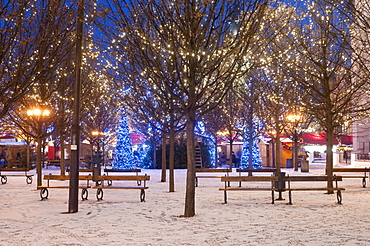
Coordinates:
164 159
28 152
278 144
295 151
250 139
216 153
231 152
329 157
38 154
172 156
190 178
154 146
62 156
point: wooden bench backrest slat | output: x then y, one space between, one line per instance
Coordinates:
65 177
19 169
108 170
83 170
311 178
125 177
351 170
272 170
248 178
213 170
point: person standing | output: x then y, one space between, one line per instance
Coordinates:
8 157
2 157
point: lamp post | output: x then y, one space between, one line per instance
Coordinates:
39 115
98 152
295 118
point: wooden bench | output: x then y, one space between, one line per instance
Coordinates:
270 184
251 171
99 192
364 170
4 178
82 170
117 170
44 193
310 179
210 170
52 163
277 184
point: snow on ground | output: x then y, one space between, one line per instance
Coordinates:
120 218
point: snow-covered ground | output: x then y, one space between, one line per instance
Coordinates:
120 218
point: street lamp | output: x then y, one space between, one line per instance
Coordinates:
39 115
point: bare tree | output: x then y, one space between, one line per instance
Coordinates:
325 70
204 43
33 43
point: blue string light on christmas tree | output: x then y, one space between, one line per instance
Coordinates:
123 155
256 156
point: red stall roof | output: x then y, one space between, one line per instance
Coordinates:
320 138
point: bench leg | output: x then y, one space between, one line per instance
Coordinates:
44 193
99 194
4 179
29 179
364 182
290 198
196 182
84 194
142 195
339 197
225 197
273 197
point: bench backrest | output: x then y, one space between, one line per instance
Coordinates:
249 178
124 177
352 170
82 170
213 170
270 170
311 178
136 170
65 177
19 169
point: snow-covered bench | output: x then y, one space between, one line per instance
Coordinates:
18 171
44 192
212 171
109 179
364 170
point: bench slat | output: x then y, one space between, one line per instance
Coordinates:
17 175
353 170
271 170
60 187
248 178
311 178
353 177
122 177
213 170
210 176
121 187
248 188
65 177
311 189
18 169
109 170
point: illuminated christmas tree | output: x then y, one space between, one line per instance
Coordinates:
251 150
123 155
